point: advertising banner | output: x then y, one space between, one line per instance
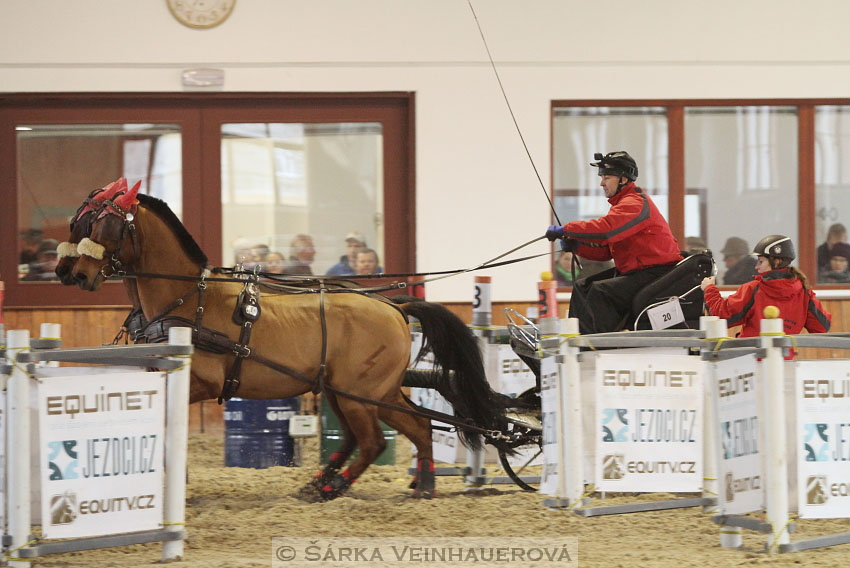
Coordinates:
736 396
101 446
513 374
648 422
823 439
445 443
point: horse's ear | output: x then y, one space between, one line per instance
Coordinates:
128 200
110 190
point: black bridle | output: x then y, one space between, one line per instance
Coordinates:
109 207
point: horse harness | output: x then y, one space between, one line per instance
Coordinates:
246 312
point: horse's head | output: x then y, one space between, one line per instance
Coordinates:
111 244
81 227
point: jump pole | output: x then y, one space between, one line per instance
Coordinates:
730 537
18 446
550 344
176 440
482 317
714 328
569 392
49 336
776 462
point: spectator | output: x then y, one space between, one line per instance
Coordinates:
347 263
563 269
836 233
695 244
259 253
30 239
838 271
367 262
301 255
45 264
275 263
249 255
777 284
740 264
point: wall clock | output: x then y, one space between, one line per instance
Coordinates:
201 14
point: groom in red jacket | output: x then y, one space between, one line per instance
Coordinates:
633 233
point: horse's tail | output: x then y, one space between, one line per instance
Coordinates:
462 380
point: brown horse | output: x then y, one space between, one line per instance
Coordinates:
351 346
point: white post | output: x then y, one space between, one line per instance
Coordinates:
50 331
176 444
776 462
18 445
482 306
570 391
730 537
714 328
482 317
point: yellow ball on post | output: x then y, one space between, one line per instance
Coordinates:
771 312
546 276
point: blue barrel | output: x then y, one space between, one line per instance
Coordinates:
256 432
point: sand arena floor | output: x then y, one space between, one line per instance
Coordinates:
233 513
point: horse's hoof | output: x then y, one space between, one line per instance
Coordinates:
425 482
335 487
425 494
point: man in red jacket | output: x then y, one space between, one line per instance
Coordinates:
633 233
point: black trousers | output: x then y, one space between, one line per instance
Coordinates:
603 302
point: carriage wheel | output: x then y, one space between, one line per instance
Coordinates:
521 472
527 432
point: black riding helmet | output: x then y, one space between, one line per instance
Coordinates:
616 164
776 246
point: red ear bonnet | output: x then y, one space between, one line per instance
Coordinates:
104 195
110 190
128 201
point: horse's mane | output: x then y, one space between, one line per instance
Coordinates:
160 209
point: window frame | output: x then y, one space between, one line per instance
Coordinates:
199 116
806 195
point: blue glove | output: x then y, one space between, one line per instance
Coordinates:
569 245
554 232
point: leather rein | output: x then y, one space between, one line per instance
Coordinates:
246 313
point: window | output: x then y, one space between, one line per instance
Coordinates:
742 163
285 183
318 164
717 169
832 188
53 159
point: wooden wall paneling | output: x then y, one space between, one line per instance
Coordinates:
81 327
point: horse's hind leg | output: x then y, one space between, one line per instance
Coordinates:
363 420
417 429
339 457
